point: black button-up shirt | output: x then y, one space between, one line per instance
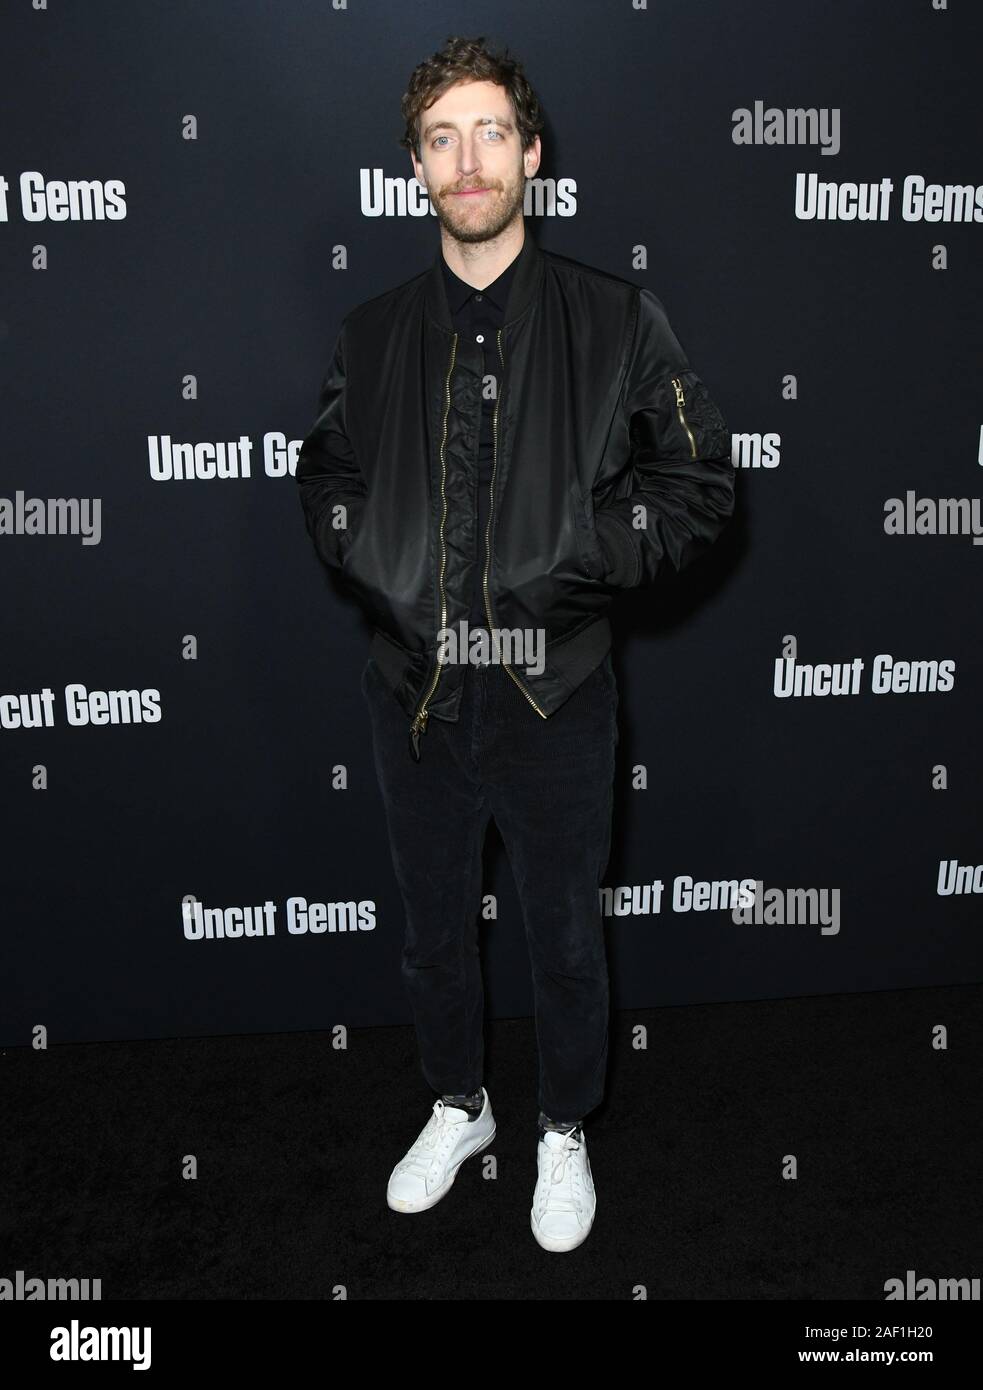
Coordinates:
477 315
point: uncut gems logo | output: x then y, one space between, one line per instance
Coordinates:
396 196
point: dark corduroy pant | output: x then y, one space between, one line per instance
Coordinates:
549 785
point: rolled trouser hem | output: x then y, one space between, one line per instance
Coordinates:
545 1122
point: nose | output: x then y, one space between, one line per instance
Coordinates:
468 164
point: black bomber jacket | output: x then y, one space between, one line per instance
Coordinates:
611 463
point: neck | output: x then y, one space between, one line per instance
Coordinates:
479 263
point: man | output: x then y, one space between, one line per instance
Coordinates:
502 444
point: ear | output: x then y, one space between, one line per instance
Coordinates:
531 157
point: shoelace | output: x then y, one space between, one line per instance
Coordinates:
564 1175
423 1154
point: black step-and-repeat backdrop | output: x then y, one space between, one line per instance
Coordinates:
191 198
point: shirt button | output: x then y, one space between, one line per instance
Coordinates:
478 297
479 337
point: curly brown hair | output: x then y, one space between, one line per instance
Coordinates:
469 60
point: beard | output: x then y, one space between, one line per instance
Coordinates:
480 223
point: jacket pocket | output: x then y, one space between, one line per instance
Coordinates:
589 552
702 427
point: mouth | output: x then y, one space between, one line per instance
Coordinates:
469 192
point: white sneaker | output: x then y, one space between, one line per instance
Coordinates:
430 1166
564 1202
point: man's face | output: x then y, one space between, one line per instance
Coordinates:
468 140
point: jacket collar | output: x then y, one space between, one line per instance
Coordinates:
528 267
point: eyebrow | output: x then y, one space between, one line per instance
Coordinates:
481 120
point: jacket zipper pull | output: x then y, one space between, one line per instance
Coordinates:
680 402
418 727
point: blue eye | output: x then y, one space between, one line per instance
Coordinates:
499 135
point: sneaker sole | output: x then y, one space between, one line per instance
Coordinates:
409 1208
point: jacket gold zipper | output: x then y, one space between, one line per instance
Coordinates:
491 504
680 402
419 725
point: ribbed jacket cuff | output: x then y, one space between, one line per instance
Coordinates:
619 552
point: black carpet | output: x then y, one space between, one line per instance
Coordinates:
294 1141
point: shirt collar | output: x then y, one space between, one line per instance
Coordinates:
459 291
